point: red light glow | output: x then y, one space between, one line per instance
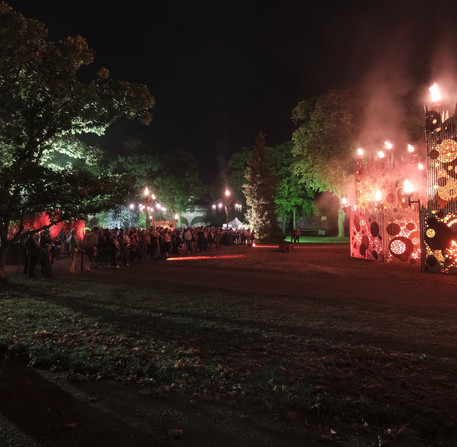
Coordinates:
197 258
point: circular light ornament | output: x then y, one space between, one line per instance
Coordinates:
397 247
430 232
401 248
447 151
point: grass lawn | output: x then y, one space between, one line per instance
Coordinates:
355 373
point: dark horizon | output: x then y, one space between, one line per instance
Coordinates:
222 71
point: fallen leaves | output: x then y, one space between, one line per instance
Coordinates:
176 433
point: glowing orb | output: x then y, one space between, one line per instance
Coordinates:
430 232
435 92
397 247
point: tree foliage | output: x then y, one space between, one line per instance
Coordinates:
44 109
324 140
238 168
177 184
292 197
260 190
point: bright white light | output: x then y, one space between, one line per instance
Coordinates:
176 217
220 205
410 148
132 206
407 187
420 166
214 206
378 195
227 192
388 145
158 206
164 209
435 92
344 201
153 197
360 151
146 191
381 154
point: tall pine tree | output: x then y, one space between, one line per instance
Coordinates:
260 190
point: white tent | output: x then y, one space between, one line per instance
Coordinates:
235 223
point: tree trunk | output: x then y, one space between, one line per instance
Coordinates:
3 253
341 217
284 223
294 214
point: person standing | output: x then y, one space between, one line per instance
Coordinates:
74 248
33 246
297 235
46 255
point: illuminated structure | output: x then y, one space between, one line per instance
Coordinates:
439 218
384 222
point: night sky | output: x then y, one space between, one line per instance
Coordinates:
222 70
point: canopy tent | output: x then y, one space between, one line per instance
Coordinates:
235 223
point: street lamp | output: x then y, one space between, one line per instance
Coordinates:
149 199
146 194
226 202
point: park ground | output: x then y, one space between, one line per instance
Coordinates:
251 347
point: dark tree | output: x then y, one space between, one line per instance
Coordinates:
177 184
44 108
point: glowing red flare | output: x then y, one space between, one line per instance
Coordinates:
196 258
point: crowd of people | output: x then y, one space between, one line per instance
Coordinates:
116 248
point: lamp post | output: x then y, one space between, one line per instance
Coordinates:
149 199
408 189
227 202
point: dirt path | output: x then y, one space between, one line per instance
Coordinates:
42 409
